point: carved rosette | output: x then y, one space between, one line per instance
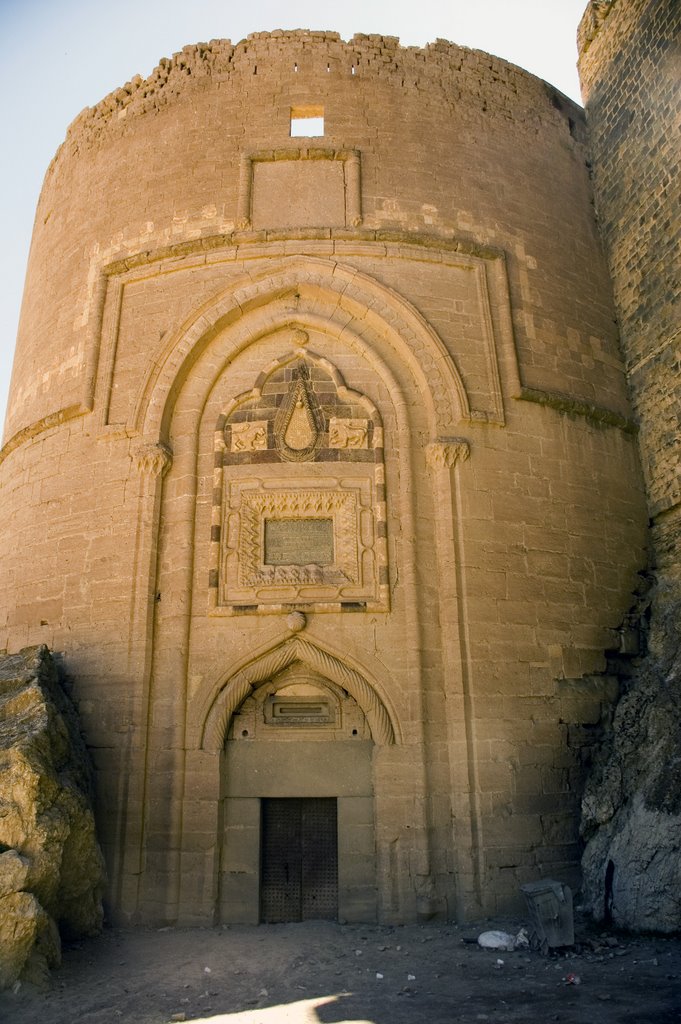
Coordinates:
446 452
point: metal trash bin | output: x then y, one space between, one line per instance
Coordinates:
551 918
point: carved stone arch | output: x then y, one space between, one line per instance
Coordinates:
313 357
302 352
297 289
259 671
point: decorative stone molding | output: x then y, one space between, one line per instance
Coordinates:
154 459
597 414
299 513
270 664
326 549
445 453
326 288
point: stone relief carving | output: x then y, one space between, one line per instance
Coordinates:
446 453
299 424
252 509
249 437
348 433
310 533
154 459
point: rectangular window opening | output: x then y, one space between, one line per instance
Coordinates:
307 122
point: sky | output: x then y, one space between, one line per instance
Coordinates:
59 56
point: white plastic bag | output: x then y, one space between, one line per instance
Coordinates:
497 940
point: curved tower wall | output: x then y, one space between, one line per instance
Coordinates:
334 423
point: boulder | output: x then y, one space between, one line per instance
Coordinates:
29 940
13 872
51 868
631 808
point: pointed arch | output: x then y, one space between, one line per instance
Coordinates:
320 293
302 352
240 685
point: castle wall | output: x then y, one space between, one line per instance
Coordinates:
397 340
629 66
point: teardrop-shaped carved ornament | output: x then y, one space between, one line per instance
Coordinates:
300 433
299 423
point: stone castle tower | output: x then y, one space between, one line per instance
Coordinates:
320 471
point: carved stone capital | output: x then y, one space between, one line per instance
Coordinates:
446 452
154 459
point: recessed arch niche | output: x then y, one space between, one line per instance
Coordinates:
297 738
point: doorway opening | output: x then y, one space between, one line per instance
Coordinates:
298 859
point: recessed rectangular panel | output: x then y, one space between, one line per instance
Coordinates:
298 542
298 194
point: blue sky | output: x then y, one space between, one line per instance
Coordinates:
59 56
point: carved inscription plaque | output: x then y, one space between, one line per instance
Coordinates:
287 543
298 541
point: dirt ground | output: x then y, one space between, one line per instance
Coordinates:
325 972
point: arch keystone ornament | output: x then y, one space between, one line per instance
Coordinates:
270 664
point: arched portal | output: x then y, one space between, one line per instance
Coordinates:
297 829
256 487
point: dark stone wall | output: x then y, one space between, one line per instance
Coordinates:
630 68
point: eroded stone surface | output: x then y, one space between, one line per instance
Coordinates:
51 870
631 811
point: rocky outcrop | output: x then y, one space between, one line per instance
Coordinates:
51 868
631 809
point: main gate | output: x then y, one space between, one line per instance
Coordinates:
299 859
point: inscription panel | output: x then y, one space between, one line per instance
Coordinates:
288 545
298 542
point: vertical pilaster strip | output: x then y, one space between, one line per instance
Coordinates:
94 340
152 460
444 457
107 343
243 211
353 190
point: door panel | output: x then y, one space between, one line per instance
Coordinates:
319 847
299 860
